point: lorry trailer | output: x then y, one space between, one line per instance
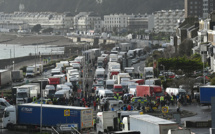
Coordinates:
52 116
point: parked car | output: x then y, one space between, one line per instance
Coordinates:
138 99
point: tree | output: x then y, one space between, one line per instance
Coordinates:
213 81
185 48
36 28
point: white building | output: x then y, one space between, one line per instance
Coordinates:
166 21
85 21
116 22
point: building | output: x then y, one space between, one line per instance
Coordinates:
85 21
116 22
166 21
138 22
199 8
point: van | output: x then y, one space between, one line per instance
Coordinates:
105 93
175 91
3 105
62 94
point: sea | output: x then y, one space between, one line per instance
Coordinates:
8 51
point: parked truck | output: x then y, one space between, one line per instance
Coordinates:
150 90
123 77
5 78
17 75
30 71
25 92
148 72
206 92
39 69
100 73
29 115
110 84
148 124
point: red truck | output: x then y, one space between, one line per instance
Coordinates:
150 90
54 80
117 88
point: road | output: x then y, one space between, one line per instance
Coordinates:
139 67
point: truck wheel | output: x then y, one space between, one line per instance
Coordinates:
10 126
100 132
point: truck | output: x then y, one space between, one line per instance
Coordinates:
153 81
25 92
5 78
54 81
65 94
110 84
174 91
117 88
129 70
148 124
62 78
150 90
101 62
17 75
30 71
113 58
106 121
123 77
39 69
206 92
56 71
29 115
100 73
148 72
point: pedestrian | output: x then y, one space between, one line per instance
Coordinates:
129 107
94 123
178 106
94 105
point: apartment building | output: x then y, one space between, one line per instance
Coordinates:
138 22
167 20
85 21
199 8
116 22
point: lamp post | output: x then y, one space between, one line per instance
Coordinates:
41 107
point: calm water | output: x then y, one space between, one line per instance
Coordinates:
16 50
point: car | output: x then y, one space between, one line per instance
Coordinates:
138 99
134 61
44 101
112 101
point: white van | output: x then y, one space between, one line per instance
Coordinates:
105 93
3 105
175 91
62 94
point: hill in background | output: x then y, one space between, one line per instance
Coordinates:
101 7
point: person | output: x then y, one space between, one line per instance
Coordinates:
162 101
94 105
178 106
129 107
94 123
112 108
34 98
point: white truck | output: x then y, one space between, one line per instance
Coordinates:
25 92
61 76
148 124
100 73
30 71
109 84
100 61
62 94
174 91
113 58
106 121
123 77
56 71
148 72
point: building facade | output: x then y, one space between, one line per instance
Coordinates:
199 8
115 22
138 22
166 21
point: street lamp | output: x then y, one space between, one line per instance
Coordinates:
41 107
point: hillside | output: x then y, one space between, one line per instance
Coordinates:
101 7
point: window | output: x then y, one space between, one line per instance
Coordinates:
6 114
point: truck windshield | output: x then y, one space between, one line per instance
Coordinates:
132 86
54 73
159 94
100 76
51 92
118 89
59 95
29 71
22 95
109 95
100 64
109 87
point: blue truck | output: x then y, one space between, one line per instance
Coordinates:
52 116
206 92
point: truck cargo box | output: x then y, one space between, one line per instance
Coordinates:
53 115
206 92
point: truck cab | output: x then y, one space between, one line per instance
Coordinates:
106 121
30 71
25 92
56 71
9 117
110 84
117 88
49 91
